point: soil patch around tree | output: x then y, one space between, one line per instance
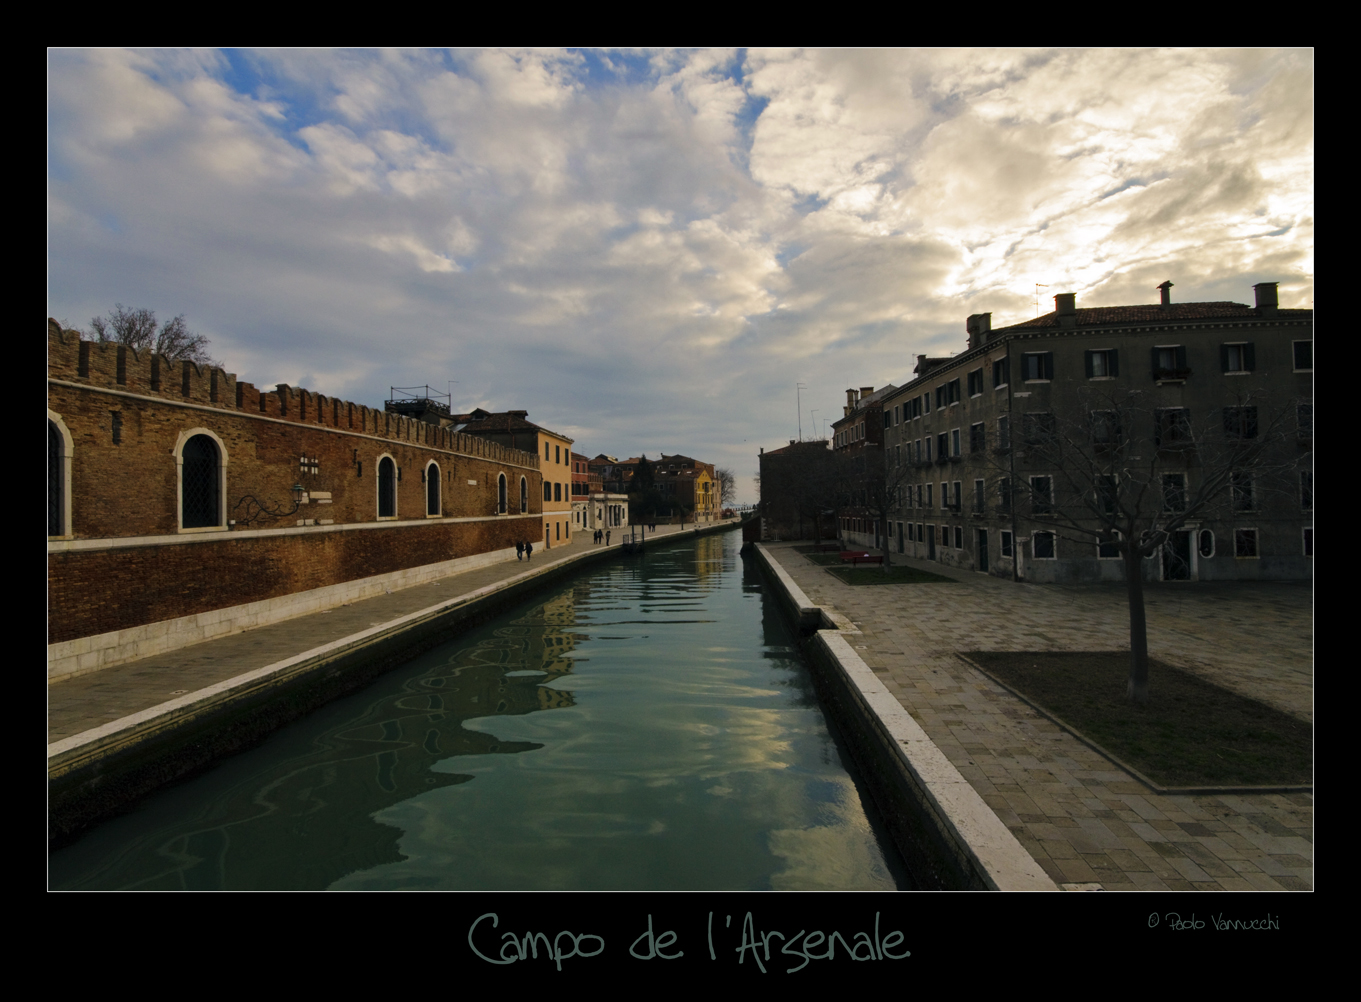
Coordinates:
1191 733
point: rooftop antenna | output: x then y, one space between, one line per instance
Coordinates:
798 402
814 415
1038 287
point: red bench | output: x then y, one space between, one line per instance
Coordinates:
855 557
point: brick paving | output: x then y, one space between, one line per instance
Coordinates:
85 701
1086 821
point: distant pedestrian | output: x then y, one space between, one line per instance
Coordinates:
529 549
607 537
519 551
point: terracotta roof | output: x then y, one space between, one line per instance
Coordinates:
506 421
1151 313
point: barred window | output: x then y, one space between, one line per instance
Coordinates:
977 437
1240 422
524 495
1040 430
1106 428
501 494
1174 492
1173 426
1042 495
200 491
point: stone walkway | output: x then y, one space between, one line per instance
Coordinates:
1086 821
77 704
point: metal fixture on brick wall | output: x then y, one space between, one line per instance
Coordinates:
257 511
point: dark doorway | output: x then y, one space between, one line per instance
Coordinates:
930 542
1177 557
983 550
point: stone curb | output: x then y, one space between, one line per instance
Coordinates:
960 822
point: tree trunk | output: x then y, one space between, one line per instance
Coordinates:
1138 627
885 548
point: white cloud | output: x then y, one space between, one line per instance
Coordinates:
608 238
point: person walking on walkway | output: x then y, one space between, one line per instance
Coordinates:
607 537
519 551
529 549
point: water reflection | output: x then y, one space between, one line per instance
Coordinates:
684 750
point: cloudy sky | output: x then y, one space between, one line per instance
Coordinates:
648 250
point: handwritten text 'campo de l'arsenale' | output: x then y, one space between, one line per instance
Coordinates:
809 945
1174 922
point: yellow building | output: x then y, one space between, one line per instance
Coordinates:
513 429
692 483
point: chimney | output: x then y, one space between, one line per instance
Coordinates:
1266 296
1065 307
865 391
1166 288
850 401
978 326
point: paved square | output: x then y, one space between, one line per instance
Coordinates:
1083 819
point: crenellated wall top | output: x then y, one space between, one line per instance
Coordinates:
106 365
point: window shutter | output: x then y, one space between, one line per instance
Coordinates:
1181 356
1087 363
1155 363
1223 358
1049 365
1113 362
1249 358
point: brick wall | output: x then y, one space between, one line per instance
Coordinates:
130 488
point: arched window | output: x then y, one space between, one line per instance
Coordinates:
200 484
501 494
432 505
387 488
58 477
524 495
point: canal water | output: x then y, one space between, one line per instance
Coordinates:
648 726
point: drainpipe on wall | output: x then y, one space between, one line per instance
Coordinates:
1011 467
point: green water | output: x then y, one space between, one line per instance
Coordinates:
649 726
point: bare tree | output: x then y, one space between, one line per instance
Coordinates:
727 485
137 328
881 478
1130 478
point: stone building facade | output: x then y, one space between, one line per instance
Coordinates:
184 503
968 428
858 438
513 429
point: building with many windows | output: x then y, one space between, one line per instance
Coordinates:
513 429
858 438
987 444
